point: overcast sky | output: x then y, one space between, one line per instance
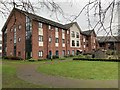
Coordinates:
70 7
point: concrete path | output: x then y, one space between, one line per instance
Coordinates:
29 74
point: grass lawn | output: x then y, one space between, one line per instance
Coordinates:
10 79
83 70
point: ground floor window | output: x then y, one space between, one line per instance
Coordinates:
68 52
40 54
63 52
57 53
73 52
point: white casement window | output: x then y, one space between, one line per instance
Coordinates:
56 40
77 35
40 53
77 43
49 27
56 29
40 25
50 39
83 39
67 31
73 34
40 38
73 42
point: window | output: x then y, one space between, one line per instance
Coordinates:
50 39
19 27
57 53
40 38
14 35
49 27
63 52
68 52
63 40
19 53
77 35
73 34
77 43
73 43
63 31
40 53
40 25
67 31
19 39
0 47
73 52
56 40
56 29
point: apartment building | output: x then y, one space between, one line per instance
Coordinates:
27 36
89 42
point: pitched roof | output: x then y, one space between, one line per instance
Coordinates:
67 26
88 32
108 39
35 17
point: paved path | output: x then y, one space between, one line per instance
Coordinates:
28 73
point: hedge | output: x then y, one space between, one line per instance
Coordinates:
86 59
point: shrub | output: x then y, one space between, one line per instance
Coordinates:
71 55
42 59
62 58
55 56
32 60
12 58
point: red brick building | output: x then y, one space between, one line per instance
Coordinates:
90 42
27 35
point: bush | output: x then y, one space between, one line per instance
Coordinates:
71 55
55 56
32 60
62 58
42 59
12 58
85 59
81 56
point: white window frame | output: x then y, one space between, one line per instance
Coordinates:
40 53
40 25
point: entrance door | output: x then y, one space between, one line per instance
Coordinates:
50 54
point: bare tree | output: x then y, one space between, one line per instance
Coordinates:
100 11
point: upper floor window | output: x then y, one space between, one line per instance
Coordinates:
50 39
56 29
73 34
56 40
63 40
77 35
67 31
63 31
77 43
40 25
73 43
49 27
40 38
19 27
19 39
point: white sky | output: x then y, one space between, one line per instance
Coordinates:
70 7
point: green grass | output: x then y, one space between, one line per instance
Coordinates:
84 70
10 79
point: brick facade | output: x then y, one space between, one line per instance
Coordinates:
42 49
